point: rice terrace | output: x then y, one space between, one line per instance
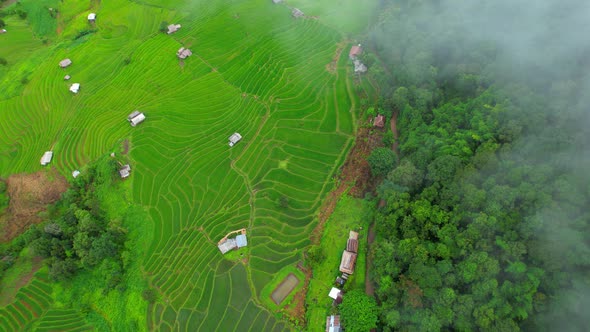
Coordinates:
197 72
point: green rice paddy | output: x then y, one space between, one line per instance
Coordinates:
254 70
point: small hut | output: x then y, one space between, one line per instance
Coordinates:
65 63
379 121
75 87
184 53
359 67
355 51
67 77
235 138
125 171
172 28
75 173
46 158
333 323
297 13
92 17
2 31
135 118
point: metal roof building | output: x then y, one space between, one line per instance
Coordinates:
65 62
235 138
241 240
135 118
46 159
75 87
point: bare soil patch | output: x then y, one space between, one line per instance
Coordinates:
125 146
331 67
284 288
29 194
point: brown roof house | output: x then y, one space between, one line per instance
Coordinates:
333 324
355 51
349 255
379 121
184 53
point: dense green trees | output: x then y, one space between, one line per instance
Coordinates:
381 161
358 311
80 233
485 225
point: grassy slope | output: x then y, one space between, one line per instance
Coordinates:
267 80
348 215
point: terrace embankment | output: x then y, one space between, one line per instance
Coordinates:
29 195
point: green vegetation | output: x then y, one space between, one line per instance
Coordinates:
381 161
358 311
486 223
85 228
254 70
4 199
350 214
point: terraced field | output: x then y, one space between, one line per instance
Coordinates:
254 70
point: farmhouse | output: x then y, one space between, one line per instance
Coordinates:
226 244
347 262
125 171
355 51
379 121
65 62
75 87
359 67
333 324
91 17
297 13
183 53
352 245
172 28
46 158
235 138
135 118
349 255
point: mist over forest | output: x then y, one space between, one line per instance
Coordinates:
486 216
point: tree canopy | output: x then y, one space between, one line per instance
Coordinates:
485 225
358 312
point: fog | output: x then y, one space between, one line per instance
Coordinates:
541 47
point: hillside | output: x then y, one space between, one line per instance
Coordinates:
255 70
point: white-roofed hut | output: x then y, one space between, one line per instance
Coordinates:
75 87
65 62
135 118
46 158
234 138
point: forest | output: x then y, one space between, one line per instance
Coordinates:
83 231
484 223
